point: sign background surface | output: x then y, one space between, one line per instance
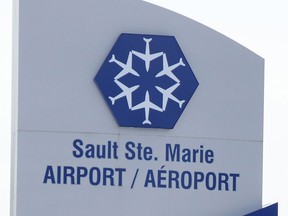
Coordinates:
61 47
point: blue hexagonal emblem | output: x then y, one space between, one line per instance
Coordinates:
146 81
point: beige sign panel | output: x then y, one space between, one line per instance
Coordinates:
70 155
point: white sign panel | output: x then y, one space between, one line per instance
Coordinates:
125 108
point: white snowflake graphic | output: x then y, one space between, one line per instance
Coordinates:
127 68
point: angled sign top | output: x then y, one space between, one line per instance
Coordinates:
146 81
